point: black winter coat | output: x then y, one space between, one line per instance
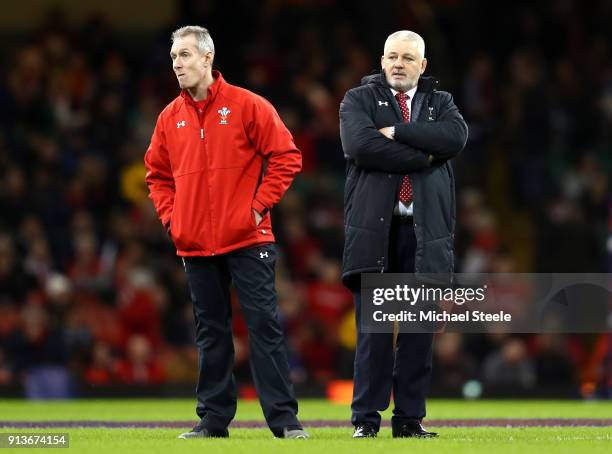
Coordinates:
376 165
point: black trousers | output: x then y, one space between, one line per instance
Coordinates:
378 369
252 273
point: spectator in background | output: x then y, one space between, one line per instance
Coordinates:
328 299
479 99
510 366
101 369
6 374
528 111
139 365
553 367
39 354
15 282
456 364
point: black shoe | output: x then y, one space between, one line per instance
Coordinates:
365 431
200 431
411 428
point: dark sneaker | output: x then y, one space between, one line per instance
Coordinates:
411 428
199 431
365 431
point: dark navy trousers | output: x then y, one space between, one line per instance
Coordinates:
378 368
251 271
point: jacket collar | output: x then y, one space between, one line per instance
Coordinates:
426 83
217 85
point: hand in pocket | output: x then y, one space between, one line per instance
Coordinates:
258 217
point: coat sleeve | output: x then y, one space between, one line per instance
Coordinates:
443 138
159 175
273 140
368 148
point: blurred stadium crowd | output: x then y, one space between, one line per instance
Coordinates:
91 292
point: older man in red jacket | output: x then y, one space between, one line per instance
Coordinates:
220 158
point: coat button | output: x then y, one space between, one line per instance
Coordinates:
382 219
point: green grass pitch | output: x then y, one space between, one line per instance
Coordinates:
576 439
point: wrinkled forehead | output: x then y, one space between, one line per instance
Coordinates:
403 46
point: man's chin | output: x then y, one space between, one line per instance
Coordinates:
399 85
402 85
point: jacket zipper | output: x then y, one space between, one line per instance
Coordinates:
201 115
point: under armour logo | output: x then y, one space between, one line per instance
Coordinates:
263 255
180 123
383 103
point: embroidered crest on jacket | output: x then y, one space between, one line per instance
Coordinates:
224 112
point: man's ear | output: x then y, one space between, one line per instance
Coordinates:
423 65
208 59
382 61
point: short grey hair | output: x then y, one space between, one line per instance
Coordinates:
205 42
408 36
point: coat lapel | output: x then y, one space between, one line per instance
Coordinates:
417 105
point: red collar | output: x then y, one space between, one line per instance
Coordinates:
212 90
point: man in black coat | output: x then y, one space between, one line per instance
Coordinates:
398 134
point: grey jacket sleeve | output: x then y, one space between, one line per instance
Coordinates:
368 148
444 138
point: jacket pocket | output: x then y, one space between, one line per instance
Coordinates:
252 222
188 220
436 256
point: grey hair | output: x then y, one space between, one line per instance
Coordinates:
205 42
407 35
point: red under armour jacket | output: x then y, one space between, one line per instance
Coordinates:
205 170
